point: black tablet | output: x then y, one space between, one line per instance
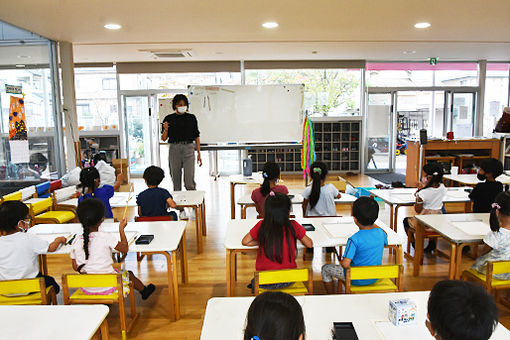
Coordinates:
308 227
144 239
344 331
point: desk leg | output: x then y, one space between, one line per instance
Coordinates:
105 333
453 261
391 215
43 264
204 227
171 289
395 218
418 250
198 223
175 287
458 261
232 201
467 207
184 259
399 257
243 212
229 272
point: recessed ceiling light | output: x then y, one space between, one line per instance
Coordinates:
20 66
219 52
409 52
23 57
113 26
422 25
270 25
314 52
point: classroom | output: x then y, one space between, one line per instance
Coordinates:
267 170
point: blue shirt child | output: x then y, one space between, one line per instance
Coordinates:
104 193
153 202
365 248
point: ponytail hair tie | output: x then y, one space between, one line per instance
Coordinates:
435 173
255 338
264 175
317 170
271 193
496 206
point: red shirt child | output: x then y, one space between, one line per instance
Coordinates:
260 200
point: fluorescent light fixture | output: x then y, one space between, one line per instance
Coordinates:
409 52
20 66
422 25
113 26
270 25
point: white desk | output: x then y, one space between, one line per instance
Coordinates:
119 200
457 238
400 197
236 229
246 202
256 178
194 199
78 322
472 180
225 318
168 236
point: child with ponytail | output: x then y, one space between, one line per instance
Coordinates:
90 181
91 252
497 242
271 174
319 198
429 198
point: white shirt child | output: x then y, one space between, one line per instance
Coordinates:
433 197
19 255
101 246
326 204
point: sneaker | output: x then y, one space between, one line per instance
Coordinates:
183 215
147 291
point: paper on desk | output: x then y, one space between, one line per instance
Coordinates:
462 218
389 331
475 228
404 196
341 230
51 237
457 193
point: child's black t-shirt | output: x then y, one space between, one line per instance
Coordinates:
152 202
484 194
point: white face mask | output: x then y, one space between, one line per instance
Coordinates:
182 109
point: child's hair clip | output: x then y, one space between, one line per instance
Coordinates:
264 175
435 173
271 193
255 338
496 206
317 170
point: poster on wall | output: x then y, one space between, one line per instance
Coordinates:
18 138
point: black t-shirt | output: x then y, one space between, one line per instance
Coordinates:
152 202
182 128
483 195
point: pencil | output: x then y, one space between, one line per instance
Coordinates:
127 202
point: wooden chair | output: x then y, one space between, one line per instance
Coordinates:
42 212
100 280
56 184
383 274
427 235
13 196
28 193
298 276
492 284
43 189
61 195
26 292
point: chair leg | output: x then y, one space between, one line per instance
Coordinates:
122 312
132 302
53 297
105 333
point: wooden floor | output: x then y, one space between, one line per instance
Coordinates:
207 273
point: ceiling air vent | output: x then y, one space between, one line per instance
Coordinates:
169 54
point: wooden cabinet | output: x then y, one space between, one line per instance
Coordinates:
452 151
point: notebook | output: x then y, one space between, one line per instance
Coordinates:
475 228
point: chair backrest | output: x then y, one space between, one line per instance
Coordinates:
38 207
56 184
24 286
284 275
339 184
42 188
64 194
153 218
13 196
27 192
375 272
90 280
500 267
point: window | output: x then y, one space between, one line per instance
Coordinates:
328 92
496 95
96 98
146 81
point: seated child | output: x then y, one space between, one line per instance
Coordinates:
91 252
459 310
90 181
364 248
275 315
271 174
319 198
276 237
497 242
484 194
19 250
155 201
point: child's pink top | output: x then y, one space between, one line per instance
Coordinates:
260 200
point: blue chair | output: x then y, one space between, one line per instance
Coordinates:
43 189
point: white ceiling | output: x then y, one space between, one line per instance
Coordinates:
231 29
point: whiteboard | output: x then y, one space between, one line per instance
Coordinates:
248 113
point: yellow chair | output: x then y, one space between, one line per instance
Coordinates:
492 284
62 195
383 274
13 196
340 184
298 276
26 292
42 212
100 280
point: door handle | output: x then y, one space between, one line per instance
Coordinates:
150 113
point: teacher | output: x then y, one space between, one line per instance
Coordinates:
181 130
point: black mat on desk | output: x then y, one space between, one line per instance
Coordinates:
389 178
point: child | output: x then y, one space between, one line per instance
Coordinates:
497 242
275 315
484 193
92 252
90 180
364 248
271 174
319 198
155 201
19 250
459 310
429 198
276 237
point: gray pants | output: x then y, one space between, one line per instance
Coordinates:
182 156
332 271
